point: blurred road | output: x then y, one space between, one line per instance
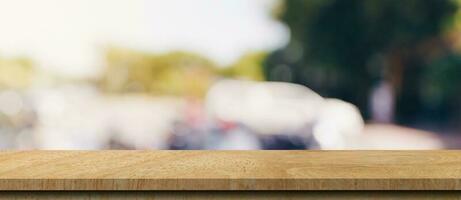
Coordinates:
386 136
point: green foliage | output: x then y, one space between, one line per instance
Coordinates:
176 73
349 31
334 44
16 73
248 67
442 80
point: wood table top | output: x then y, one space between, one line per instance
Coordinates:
230 170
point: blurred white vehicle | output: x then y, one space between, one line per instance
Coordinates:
285 108
264 107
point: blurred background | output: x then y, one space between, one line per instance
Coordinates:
230 74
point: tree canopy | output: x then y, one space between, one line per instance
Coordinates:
341 48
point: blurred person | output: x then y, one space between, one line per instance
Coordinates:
382 103
232 136
190 132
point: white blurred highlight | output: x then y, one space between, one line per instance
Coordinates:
265 107
338 125
80 118
68 36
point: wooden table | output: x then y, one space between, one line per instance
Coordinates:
230 174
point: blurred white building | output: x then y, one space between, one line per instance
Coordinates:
81 118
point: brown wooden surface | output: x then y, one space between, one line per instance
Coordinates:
235 195
230 170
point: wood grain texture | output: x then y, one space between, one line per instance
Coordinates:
230 170
235 195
